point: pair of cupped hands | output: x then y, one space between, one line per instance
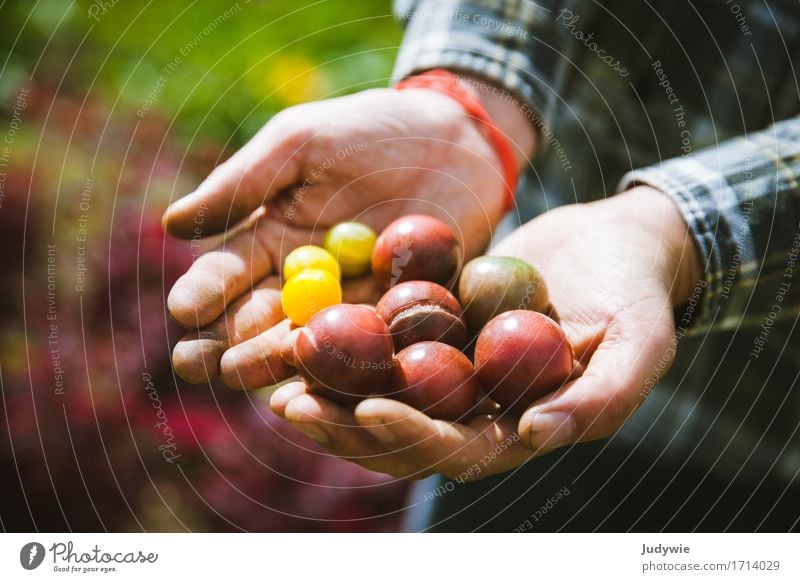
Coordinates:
614 269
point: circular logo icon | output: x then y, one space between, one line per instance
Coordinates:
31 555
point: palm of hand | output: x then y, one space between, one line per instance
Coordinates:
391 153
370 157
373 157
611 288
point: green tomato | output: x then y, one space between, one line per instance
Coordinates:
351 243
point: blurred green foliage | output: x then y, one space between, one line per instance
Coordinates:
219 68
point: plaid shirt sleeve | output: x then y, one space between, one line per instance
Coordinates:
741 200
511 43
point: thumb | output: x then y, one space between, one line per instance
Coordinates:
621 372
267 164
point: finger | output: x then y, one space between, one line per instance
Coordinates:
285 394
486 444
197 355
257 362
287 346
335 428
621 372
269 163
220 276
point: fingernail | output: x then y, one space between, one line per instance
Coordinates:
312 431
383 433
176 208
181 203
551 429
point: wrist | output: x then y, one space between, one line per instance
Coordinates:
677 257
454 87
508 115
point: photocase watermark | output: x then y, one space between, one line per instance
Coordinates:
326 344
176 61
547 506
168 448
53 341
736 261
690 309
401 256
474 470
100 8
678 112
739 16
317 172
681 331
760 341
6 148
65 558
530 291
569 21
532 115
82 236
555 145
31 555
492 24
155 90
196 246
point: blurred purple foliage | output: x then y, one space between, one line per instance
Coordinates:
85 347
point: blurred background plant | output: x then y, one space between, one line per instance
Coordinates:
110 110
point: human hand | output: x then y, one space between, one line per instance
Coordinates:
614 270
369 157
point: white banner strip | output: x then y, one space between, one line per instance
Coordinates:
400 557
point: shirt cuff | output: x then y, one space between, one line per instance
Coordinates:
482 39
718 222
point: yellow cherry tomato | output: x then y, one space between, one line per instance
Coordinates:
309 292
309 257
351 243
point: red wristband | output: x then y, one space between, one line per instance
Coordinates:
447 83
